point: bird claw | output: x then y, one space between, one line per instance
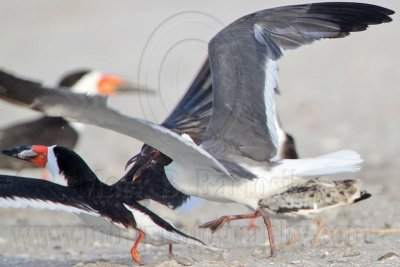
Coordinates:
216 224
135 256
272 254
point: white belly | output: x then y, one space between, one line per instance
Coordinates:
202 183
213 186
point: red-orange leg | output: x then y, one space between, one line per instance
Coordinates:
134 252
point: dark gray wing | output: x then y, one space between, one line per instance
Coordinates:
242 60
193 112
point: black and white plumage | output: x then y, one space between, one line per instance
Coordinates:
191 117
22 192
83 194
56 130
241 138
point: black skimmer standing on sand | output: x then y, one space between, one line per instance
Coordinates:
56 130
83 193
234 161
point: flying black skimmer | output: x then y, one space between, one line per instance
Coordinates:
83 193
56 130
234 161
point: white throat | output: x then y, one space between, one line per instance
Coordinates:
88 84
52 166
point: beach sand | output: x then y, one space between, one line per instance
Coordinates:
336 94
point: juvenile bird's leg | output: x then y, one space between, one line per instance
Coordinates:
218 223
267 222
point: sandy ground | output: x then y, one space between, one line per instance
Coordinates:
336 94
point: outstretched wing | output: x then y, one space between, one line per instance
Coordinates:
94 110
242 60
193 112
20 192
190 116
243 65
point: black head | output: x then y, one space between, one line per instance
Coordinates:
72 78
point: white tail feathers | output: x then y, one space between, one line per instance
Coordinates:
344 161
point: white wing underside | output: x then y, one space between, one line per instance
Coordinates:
18 202
269 93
